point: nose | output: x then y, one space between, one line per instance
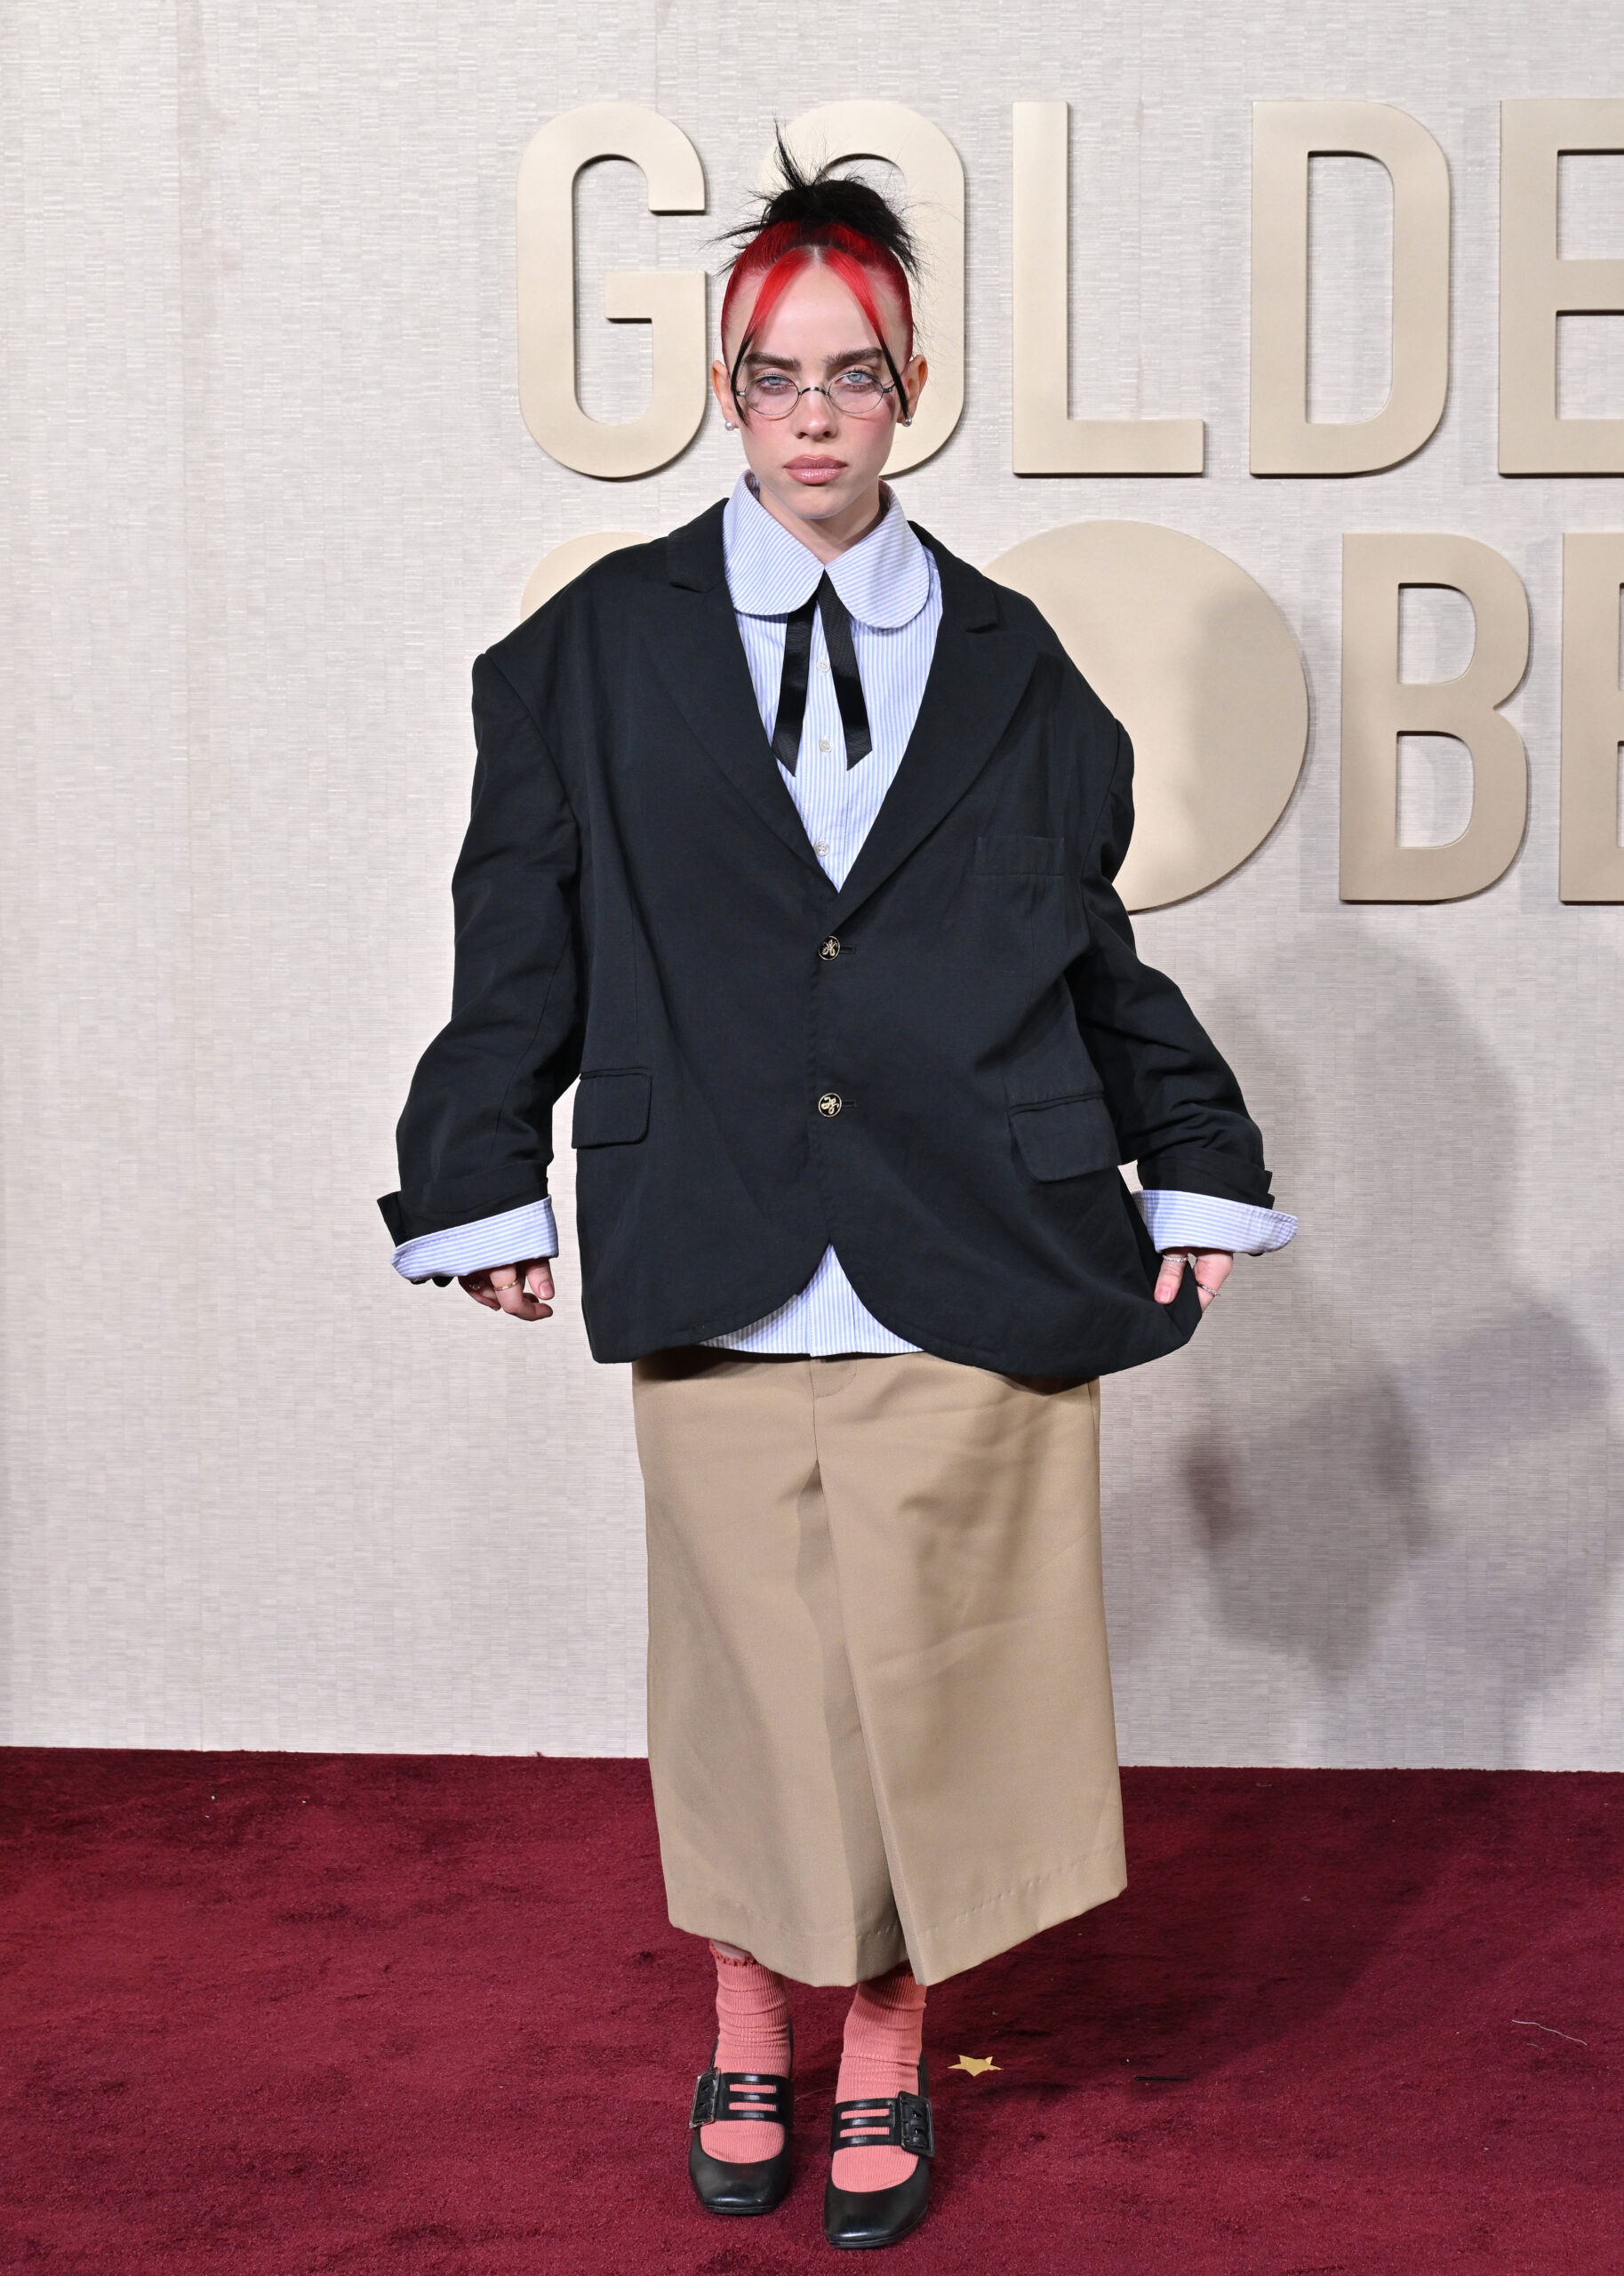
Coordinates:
813 415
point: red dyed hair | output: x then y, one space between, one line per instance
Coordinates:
778 253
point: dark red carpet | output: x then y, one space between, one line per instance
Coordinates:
279 2014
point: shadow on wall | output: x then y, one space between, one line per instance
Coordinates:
1398 1466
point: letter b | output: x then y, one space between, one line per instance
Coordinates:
1378 707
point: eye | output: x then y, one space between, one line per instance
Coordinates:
857 382
772 383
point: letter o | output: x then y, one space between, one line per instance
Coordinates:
935 177
1199 665
567 561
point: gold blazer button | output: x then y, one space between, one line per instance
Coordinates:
829 1105
831 949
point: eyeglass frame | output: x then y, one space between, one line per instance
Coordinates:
905 417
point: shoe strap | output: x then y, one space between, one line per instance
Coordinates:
722 2097
903 2122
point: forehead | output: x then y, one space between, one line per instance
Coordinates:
817 314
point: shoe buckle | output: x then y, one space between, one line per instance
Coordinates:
707 2093
915 2131
721 2097
901 2120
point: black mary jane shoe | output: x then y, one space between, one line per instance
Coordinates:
723 2096
862 2220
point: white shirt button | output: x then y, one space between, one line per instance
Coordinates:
822 665
823 743
821 847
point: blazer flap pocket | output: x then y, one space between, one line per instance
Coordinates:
611 1109
1002 857
1066 1137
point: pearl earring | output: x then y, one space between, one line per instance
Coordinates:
731 426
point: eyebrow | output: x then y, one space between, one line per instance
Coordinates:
830 363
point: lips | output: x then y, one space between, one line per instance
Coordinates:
814 471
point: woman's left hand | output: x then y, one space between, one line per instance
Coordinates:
1211 1267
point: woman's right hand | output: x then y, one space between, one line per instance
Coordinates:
526 1290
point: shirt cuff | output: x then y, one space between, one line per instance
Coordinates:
513 1237
1204 1220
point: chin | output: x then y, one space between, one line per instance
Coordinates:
818 502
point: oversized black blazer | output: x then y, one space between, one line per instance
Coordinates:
637 902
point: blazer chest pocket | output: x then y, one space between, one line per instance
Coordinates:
998 856
611 1109
1065 1138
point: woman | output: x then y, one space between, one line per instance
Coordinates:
793 837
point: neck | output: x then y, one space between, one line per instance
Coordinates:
830 534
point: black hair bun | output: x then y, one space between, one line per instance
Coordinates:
828 200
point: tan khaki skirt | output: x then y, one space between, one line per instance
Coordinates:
880 1718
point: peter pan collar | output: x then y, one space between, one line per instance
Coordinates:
883 580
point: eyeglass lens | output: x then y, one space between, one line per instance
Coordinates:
774 395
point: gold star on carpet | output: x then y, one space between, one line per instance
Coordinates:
974 2063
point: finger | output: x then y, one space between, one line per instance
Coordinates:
532 1284
1211 1268
1171 1276
494 1287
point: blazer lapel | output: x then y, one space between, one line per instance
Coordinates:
978 675
693 637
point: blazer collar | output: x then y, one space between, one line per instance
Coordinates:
695 559
978 675
699 656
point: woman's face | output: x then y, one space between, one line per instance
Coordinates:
819 465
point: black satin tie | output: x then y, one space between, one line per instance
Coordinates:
797 668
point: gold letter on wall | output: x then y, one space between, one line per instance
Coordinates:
1378 706
1286 136
934 177
1200 666
566 562
672 302
1592 716
1047 439
1536 288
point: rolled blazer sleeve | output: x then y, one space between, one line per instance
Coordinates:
1177 1109
475 1137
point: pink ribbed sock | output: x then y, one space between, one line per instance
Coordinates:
752 2034
884 2032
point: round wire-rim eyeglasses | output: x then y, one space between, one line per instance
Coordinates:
854 393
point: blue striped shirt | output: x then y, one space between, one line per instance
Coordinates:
889 585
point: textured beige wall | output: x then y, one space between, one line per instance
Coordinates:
268 492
